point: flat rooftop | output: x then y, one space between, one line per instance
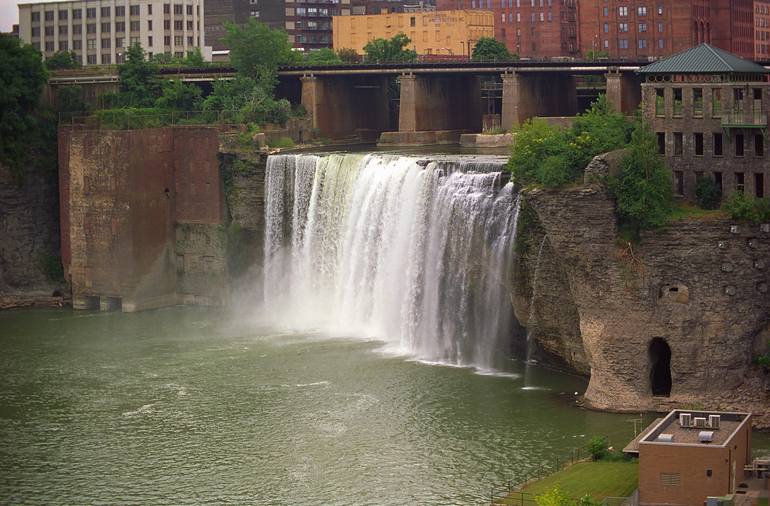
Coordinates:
729 423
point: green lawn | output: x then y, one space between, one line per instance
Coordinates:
597 479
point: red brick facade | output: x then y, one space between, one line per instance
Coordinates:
529 28
762 30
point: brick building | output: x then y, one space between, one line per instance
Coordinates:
219 12
654 28
529 28
761 30
709 111
98 31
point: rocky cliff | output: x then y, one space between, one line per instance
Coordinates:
694 294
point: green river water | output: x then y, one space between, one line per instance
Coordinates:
187 406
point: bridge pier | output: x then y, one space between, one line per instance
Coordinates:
624 91
341 108
528 95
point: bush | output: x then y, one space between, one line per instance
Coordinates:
348 55
597 447
282 142
745 208
490 49
553 497
707 193
179 95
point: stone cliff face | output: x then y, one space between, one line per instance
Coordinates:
694 294
29 248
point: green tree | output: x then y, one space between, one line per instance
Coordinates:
70 99
180 96
323 56
257 51
22 77
597 447
348 55
745 208
165 59
598 130
707 193
490 49
250 103
194 58
553 497
643 188
139 86
63 60
392 50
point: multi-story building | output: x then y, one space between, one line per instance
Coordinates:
709 110
761 30
220 12
638 29
529 28
99 31
450 33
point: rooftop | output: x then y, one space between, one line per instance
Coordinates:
703 59
670 431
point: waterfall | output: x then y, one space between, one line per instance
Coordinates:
414 252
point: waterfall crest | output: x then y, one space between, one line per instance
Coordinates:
412 252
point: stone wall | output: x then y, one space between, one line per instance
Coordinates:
699 285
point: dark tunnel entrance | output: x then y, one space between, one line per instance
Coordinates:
660 367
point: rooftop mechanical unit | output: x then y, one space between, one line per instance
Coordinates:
685 419
666 438
700 422
706 436
714 421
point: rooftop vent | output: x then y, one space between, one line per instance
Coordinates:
666 438
706 436
714 421
700 422
685 419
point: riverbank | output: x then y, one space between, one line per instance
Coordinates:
52 298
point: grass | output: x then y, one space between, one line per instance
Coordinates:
687 211
598 479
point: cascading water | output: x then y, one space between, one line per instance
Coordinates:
412 252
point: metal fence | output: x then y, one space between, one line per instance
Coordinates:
127 119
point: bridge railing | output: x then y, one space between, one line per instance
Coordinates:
127 119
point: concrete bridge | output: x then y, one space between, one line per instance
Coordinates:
417 102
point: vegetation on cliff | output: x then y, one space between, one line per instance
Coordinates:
747 208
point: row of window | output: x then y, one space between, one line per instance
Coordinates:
717 144
120 10
640 27
488 4
533 17
623 10
739 105
739 179
313 12
120 27
77 44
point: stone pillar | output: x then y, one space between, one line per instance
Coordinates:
407 115
614 95
509 114
624 91
311 97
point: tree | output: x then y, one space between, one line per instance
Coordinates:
22 77
63 60
597 447
643 187
490 49
257 51
138 84
323 56
250 103
348 55
180 96
194 58
553 497
165 59
707 193
389 50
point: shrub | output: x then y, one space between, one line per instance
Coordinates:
707 193
745 208
348 55
282 142
490 49
597 447
536 141
553 497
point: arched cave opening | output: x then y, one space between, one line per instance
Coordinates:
660 367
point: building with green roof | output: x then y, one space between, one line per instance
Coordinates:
709 111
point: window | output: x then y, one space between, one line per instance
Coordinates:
105 43
698 137
133 10
166 8
697 102
677 102
49 15
759 185
660 10
190 25
134 25
36 31
718 180
178 40
149 41
606 11
77 14
62 15
738 144
661 27
641 11
716 102
120 26
623 43
105 12
106 59
190 41
91 12
606 28
149 24
105 28
133 40
77 44
622 27
177 8
642 43
189 10
63 46
149 9
717 144
91 59
179 54
740 183
167 40
119 42
661 43
642 27
759 145
678 145
91 28
49 46
661 142
49 31
679 182
63 29
91 44
622 11
120 11
35 17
